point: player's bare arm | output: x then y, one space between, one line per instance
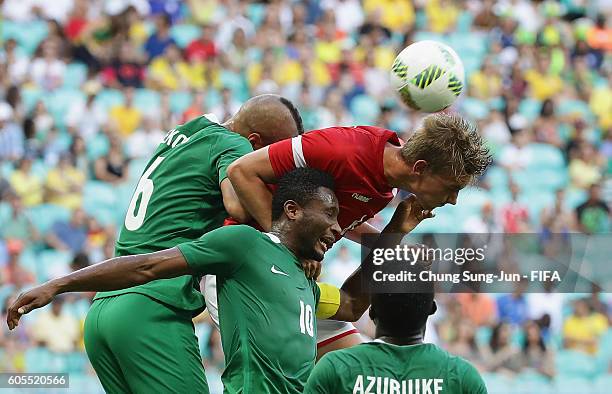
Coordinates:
112 274
232 203
353 300
249 176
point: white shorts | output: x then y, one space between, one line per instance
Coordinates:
328 331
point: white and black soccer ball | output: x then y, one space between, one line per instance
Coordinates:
428 76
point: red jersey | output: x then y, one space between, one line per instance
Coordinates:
353 156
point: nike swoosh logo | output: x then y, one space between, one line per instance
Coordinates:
277 271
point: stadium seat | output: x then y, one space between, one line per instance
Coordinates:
530 108
43 216
604 353
30 97
497 384
100 193
28 259
5 291
603 384
53 263
136 168
256 13
548 180
184 34
103 215
235 82
575 364
60 102
180 101
76 74
97 146
474 108
40 169
427 35
572 384
566 107
497 177
148 101
483 335
27 34
365 109
38 359
81 383
108 98
5 212
532 382
545 156
536 200
471 199
76 363
464 22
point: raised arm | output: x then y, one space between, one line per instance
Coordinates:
353 299
249 176
232 203
113 274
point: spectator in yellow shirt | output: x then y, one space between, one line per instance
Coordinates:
65 184
26 184
486 83
57 329
543 85
169 71
441 15
126 116
583 328
397 15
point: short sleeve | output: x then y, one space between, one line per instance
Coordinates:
281 156
216 252
228 149
472 382
323 379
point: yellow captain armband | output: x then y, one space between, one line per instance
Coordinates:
329 300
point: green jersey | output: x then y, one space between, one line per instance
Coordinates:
267 309
178 198
382 368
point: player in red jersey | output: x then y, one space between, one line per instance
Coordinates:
368 163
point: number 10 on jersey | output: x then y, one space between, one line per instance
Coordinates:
134 219
306 319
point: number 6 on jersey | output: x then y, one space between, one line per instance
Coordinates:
144 190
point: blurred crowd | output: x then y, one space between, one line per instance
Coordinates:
88 89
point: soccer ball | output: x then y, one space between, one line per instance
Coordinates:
428 76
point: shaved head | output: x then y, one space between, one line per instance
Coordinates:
266 119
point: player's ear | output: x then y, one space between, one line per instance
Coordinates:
419 167
255 140
292 209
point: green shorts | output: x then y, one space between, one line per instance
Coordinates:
139 345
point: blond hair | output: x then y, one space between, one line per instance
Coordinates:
451 146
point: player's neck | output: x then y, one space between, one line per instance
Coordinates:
282 234
235 126
403 340
408 338
394 166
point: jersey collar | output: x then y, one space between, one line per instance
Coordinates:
273 238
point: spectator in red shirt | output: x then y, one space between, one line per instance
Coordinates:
515 215
203 47
77 21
